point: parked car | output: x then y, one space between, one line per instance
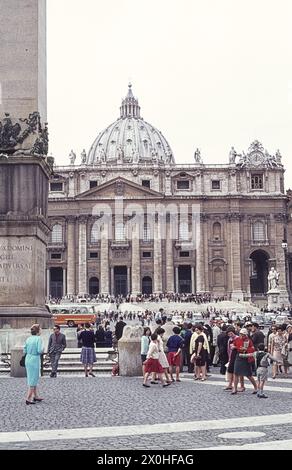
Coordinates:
260 319
269 318
197 318
282 319
177 319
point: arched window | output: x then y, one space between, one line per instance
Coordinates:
146 233
217 232
120 232
184 231
259 231
95 231
57 234
218 277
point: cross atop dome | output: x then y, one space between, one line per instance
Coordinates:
130 106
130 93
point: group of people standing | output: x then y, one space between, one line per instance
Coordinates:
240 351
154 359
33 350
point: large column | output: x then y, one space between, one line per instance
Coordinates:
281 257
64 282
235 248
128 279
48 282
176 280
112 286
82 277
157 257
200 275
193 279
71 249
104 261
136 264
169 257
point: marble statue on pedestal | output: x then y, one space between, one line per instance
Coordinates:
273 279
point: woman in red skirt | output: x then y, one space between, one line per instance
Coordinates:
152 363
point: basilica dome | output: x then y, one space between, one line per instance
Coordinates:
130 139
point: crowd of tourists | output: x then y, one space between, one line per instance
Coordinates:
201 298
239 349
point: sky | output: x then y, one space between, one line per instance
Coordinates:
209 74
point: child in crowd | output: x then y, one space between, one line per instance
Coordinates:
174 345
262 364
152 363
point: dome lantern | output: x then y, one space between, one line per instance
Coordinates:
130 106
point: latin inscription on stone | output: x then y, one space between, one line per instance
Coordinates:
16 261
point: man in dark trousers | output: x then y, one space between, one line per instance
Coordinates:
119 328
222 341
257 336
57 344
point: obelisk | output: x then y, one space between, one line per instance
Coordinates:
24 166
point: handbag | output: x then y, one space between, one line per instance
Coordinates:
22 361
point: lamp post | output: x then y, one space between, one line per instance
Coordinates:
285 249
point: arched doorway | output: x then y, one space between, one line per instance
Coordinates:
259 272
93 286
147 285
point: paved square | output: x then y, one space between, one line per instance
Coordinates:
118 413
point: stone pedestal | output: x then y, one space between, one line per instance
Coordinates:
273 299
11 338
16 369
129 347
24 233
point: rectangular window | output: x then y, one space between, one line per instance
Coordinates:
146 183
216 185
259 231
93 255
184 254
56 187
184 231
92 184
257 181
147 254
184 184
56 256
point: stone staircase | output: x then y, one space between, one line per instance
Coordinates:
70 362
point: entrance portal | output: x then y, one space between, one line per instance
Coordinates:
259 272
56 283
184 280
147 285
121 280
93 286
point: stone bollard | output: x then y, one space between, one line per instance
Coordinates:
16 370
129 347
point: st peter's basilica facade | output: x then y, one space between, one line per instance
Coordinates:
128 219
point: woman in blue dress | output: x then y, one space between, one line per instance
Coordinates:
33 349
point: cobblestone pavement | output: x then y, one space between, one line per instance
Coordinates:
79 402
